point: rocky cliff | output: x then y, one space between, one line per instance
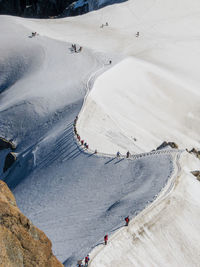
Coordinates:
33 8
21 243
51 8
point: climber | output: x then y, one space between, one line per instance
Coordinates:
87 260
79 263
80 49
106 239
118 154
82 142
87 146
110 62
78 137
128 154
34 34
137 34
127 220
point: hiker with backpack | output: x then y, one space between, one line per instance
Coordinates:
87 260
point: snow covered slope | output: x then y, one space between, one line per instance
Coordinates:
150 92
73 196
141 105
169 39
164 234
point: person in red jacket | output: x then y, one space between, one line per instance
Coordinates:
106 239
87 260
127 220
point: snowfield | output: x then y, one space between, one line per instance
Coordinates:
137 100
166 233
148 94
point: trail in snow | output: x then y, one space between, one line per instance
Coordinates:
166 232
74 196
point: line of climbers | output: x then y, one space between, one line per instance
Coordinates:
127 220
128 154
86 261
78 136
80 264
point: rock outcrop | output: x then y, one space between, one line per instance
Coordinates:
196 174
21 243
5 144
9 160
34 8
51 8
165 144
195 152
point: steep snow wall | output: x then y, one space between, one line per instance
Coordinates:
164 234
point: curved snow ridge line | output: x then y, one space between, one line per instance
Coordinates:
132 157
88 88
135 222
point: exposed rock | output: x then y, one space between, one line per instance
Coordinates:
195 152
4 144
51 8
10 159
165 144
76 8
33 8
21 243
196 174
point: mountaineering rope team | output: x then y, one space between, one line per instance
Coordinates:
79 264
128 154
74 49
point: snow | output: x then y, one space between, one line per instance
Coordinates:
150 93
165 233
122 106
166 34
